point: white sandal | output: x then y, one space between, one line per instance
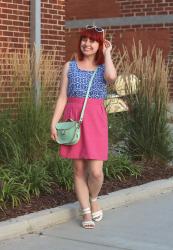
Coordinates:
98 215
89 224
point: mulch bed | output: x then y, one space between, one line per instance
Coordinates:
61 196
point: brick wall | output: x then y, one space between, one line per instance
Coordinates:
145 7
52 25
77 9
160 34
14 23
15 33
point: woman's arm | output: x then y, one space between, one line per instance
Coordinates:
61 102
110 71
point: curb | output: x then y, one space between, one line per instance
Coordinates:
37 221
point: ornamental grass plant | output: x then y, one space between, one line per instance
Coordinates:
146 131
24 135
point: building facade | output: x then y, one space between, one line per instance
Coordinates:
150 21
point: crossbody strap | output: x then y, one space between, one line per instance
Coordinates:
86 97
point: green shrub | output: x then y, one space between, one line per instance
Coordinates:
36 178
11 191
116 128
61 171
120 166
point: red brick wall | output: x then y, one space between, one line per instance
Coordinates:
145 7
78 9
52 25
15 33
158 35
14 23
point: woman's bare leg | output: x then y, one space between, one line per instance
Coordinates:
95 181
81 186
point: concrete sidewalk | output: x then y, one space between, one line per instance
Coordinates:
37 221
142 225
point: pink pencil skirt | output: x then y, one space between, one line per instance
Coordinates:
93 143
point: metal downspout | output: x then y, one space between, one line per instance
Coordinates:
35 40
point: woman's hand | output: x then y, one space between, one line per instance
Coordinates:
107 46
53 134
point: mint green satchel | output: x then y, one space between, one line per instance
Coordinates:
69 131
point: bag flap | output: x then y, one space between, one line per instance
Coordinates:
66 125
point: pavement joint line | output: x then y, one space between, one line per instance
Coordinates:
88 242
37 221
117 247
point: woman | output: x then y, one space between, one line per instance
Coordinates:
92 149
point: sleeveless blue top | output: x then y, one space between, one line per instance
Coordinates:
78 81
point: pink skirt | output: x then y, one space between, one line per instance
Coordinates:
93 143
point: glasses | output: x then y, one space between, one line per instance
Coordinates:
98 29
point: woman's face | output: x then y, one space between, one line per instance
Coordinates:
89 46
